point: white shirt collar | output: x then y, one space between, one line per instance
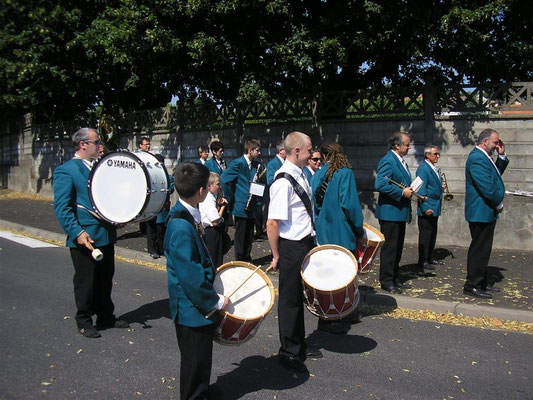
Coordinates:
280 158
247 159
193 210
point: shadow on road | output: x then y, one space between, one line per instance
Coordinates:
345 344
254 374
143 314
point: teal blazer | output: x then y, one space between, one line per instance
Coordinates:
236 181
272 166
484 187
70 182
213 166
340 219
308 174
432 188
190 273
391 205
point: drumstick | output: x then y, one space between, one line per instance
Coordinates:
95 253
233 292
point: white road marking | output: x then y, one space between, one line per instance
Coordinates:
24 240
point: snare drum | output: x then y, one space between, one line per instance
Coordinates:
329 275
367 247
125 186
249 304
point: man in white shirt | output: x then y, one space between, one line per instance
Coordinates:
291 236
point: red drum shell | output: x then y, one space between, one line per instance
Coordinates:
335 302
367 249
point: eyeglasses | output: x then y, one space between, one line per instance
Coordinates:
96 142
316 159
436 154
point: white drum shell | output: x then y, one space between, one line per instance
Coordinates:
126 186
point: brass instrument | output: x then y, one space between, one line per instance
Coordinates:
402 186
447 195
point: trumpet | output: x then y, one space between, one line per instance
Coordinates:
447 195
402 186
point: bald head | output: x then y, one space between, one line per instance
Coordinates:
298 148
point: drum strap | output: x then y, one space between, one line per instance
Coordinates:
300 191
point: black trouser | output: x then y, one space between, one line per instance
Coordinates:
244 237
151 237
427 237
391 251
93 281
196 348
290 301
213 242
479 253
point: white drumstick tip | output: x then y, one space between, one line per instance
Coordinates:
97 254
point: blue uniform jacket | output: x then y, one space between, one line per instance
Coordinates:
236 181
190 274
272 166
484 187
391 205
340 219
213 166
308 174
70 189
432 188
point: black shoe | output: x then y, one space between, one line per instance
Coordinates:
391 288
492 289
403 285
436 262
293 364
472 291
313 353
426 266
154 255
353 318
90 332
337 328
117 323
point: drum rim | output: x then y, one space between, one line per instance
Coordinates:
150 187
336 247
262 273
93 170
369 241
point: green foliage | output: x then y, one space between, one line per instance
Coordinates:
62 59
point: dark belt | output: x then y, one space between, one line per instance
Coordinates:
302 240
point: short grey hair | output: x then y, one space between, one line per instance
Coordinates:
429 147
280 146
81 135
485 134
397 139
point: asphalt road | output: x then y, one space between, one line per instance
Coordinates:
43 356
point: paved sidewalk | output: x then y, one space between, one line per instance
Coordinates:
439 291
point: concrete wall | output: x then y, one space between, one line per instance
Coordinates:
364 143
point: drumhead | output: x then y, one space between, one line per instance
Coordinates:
372 235
329 267
254 299
118 186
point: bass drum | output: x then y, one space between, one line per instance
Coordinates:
128 186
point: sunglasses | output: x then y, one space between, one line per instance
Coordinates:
316 159
436 154
96 142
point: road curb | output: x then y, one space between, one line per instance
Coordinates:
370 298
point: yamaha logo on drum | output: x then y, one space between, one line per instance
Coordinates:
121 164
